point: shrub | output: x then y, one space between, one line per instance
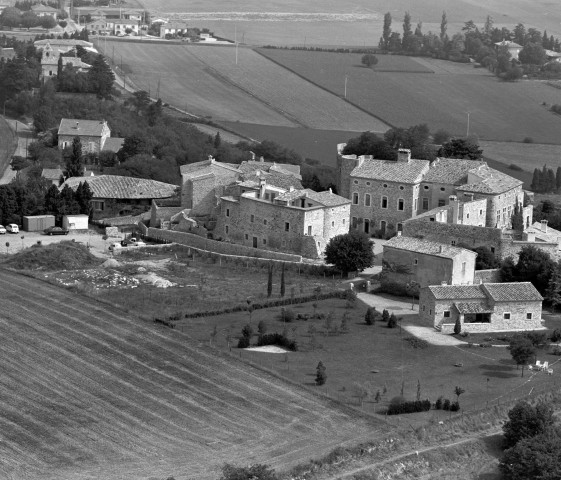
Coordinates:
457 327
409 407
555 335
454 406
385 316
287 315
416 342
243 342
556 109
321 376
370 316
247 331
556 351
261 327
392 322
527 140
277 339
446 405
438 403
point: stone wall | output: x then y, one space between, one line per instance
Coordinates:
218 247
518 320
511 248
487 276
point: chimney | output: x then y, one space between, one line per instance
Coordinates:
544 226
330 191
455 204
261 159
262 187
404 155
252 156
444 283
211 158
399 233
440 249
77 125
360 160
291 189
471 197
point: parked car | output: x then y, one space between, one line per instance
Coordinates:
2 230
12 228
115 246
132 241
55 231
139 243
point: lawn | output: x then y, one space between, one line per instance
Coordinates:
88 391
442 99
375 357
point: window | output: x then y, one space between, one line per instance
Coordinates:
383 226
246 236
430 312
367 200
319 244
426 187
309 229
354 222
366 226
227 212
384 202
492 249
447 314
467 215
385 185
506 315
453 243
355 198
226 229
529 316
355 182
343 221
368 184
333 224
463 268
480 212
442 189
424 308
252 219
264 221
287 226
441 202
401 187
425 203
400 204
415 261
264 241
431 219
400 227
267 196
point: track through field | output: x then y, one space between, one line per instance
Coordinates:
87 392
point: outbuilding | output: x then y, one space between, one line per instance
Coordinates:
75 222
38 223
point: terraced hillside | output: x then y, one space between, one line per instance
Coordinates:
87 392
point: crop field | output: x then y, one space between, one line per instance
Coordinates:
527 156
498 111
331 22
88 392
207 81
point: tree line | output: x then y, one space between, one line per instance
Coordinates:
546 180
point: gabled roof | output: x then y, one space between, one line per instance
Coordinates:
118 187
512 292
457 292
473 307
248 166
276 179
508 43
426 247
451 171
78 127
204 167
327 198
43 8
493 181
52 174
113 144
410 172
62 41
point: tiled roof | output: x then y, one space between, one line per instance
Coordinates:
327 198
426 247
512 292
391 171
113 144
508 43
551 235
451 171
457 292
53 174
62 41
204 167
43 8
77 127
115 186
493 182
276 179
473 307
286 168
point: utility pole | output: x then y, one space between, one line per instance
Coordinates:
158 90
346 77
236 41
467 131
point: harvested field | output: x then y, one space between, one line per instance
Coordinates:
441 99
527 156
89 392
210 74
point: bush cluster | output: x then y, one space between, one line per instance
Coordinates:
446 404
409 407
277 339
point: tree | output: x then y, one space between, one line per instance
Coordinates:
350 252
282 285
443 26
526 421
458 391
84 197
270 268
522 350
457 326
217 140
532 53
485 259
392 321
261 327
534 458
407 41
536 266
460 148
387 30
101 77
553 292
441 136
517 220
369 60
74 165
254 472
370 316
19 163
321 375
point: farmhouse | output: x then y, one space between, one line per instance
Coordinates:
297 221
173 29
386 193
62 44
7 54
482 308
50 58
112 191
44 10
95 135
512 47
412 263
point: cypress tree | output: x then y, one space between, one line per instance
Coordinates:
270 280
536 180
551 181
558 178
282 286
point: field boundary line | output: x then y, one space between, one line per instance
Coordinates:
324 89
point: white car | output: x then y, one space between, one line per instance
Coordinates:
12 228
2 230
115 246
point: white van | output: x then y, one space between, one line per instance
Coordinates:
12 228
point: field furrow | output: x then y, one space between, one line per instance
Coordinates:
89 390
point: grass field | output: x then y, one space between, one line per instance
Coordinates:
358 23
525 155
89 392
7 145
207 78
498 111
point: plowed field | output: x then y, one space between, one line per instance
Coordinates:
87 392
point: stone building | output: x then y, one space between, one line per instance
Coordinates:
297 221
482 308
95 135
386 193
414 263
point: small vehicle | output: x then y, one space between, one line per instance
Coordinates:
132 241
115 246
139 243
12 228
2 230
55 231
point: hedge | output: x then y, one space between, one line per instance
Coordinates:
409 407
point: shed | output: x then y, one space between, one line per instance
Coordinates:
75 222
38 223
